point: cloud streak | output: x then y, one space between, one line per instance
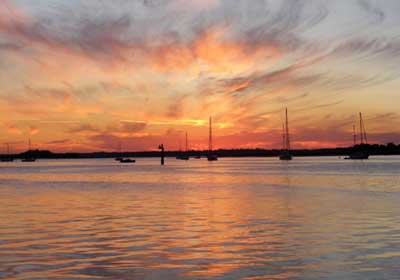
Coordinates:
100 62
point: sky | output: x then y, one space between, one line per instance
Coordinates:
93 75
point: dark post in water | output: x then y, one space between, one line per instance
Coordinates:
161 147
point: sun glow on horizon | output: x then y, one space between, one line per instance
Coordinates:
142 73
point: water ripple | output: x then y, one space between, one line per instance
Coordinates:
145 224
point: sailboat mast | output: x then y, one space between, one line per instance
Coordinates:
287 132
364 133
210 147
186 144
283 137
354 135
29 144
361 130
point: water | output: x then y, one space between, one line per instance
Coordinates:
313 218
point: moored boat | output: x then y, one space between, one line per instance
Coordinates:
127 160
184 155
211 156
359 151
29 157
285 153
8 158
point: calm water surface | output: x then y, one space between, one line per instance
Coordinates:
313 218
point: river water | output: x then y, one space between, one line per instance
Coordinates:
250 218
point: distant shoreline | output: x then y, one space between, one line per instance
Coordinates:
382 150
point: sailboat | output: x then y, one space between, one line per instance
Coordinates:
127 160
121 159
184 156
8 158
358 152
285 153
29 157
211 156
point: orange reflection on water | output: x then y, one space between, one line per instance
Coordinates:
237 219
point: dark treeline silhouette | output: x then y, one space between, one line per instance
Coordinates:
374 149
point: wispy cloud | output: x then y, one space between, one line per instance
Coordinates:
171 64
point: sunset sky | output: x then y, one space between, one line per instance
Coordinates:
87 75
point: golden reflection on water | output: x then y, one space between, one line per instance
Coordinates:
236 219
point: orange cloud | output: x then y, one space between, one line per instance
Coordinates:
33 130
12 129
210 51
92 72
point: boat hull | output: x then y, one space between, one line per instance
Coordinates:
127 161
358 156
285 156
182 157
212 158
28 160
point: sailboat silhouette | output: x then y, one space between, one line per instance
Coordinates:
211 156
29 157
285 153
121 159
358 152
8 158
184 155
